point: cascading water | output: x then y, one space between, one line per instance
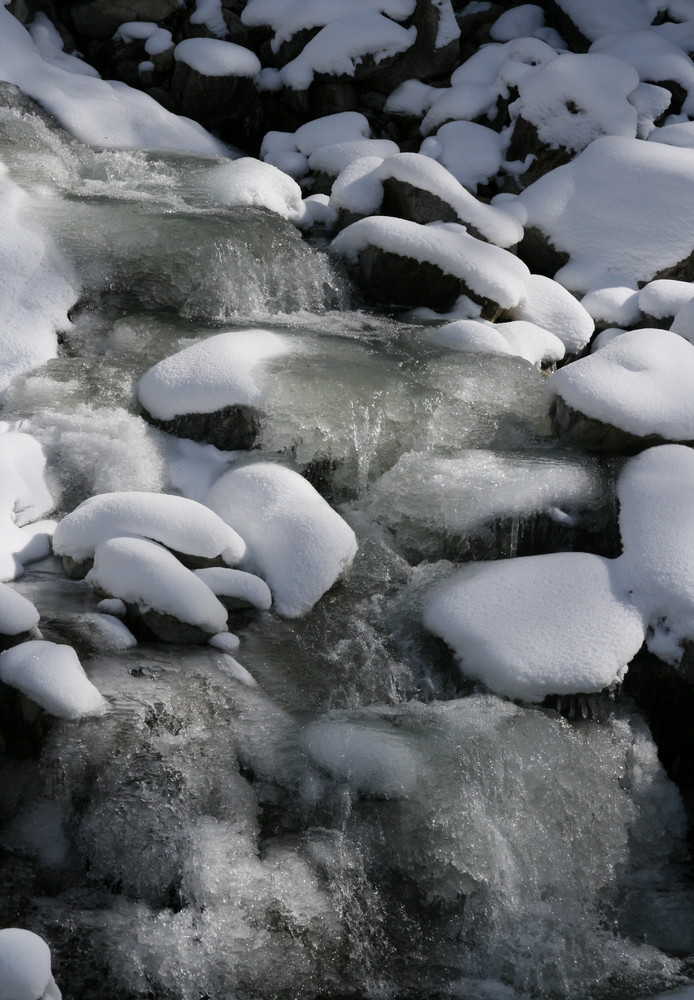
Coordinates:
338 816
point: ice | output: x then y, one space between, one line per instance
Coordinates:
52 676
295 541
539 625
471 152
144 573
183 525
488 270
640 382
25 967
574 98
82 104
225 370
620 207
214 57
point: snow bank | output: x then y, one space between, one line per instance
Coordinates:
422 172
251 182
519 337
617 305
540 625
214 57
621 206
296 542
52 676
49 45
641 382
224 370
237 584
25 967
489 271
574 98
143 573
183 525
95 111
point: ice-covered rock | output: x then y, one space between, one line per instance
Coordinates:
52 676
404 263
183 525
539 625
640 382
25 967
295 540
147 577
213 390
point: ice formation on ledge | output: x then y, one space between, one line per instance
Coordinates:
538 625
296 542
224 370
25 967
182 525
53 677
147 575
640 382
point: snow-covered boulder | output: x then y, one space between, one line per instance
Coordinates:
248 182
213 80
24 501
471 152
549 305
296 542
185 526
18 617
404 263
163 597
52 676
619 213
540 625
25 967
634 392
519 337
213 390
236 589
662 299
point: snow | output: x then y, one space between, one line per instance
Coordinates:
226 641
296 542
49 44
574 98
95 111
488 270
53 677
550 305
640 382
683 323
24 500
144 573
224 370
287 17
209 13
182 525
341 46
157 40
519 22
615 305
37 287
358 188
656 522
650 101
679 134
422 172
17 614
447 30
471 152
621 208
250 182
538 625
594 18
214 57
519 337
664 297
374 760
25 966
337 157
235 583
412 97
654 57
330 130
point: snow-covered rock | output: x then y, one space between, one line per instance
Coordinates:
550 305
663 298
539 625
18 616
236 588
519 337
183 525
296 542
25 967
471 152
24 500
53 677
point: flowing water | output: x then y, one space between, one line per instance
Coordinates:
335 813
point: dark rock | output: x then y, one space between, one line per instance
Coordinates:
101 18
23 724
76 570
155 626
683 270
525 140
214 101
577 430
475 26
422 61
405 201
228 429
537 251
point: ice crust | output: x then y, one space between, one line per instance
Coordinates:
183 525
224 370
25 967
53 677
296 542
